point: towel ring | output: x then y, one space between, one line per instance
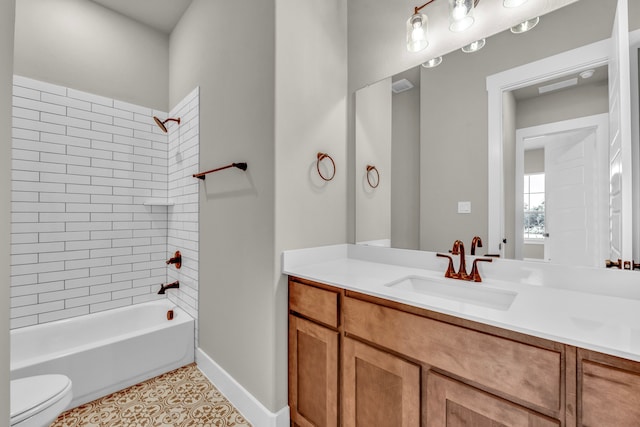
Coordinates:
377 180
321 157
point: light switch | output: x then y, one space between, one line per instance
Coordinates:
464 207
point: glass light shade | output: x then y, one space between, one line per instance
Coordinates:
460 15
474 46
525 26
417 32
513 3
432 63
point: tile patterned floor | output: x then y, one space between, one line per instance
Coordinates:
183 397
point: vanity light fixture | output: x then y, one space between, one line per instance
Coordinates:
587 74
417 27
460 18
474 46
461 14
513 3
432 63
525 26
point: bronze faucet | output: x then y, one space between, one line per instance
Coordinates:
458 249
476 242
461 274
451 272
475 274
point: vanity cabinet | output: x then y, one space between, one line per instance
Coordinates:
608 390
452 403
361 361
379 388
313 355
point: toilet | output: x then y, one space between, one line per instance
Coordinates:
37 401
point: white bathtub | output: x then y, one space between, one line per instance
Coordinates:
107 351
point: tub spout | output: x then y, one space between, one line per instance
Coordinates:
173 285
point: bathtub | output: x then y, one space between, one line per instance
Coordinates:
107 351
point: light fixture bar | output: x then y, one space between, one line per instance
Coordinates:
460 18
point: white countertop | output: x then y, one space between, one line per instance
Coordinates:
592 308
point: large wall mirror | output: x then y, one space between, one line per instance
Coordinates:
521 173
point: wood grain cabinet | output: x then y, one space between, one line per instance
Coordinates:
453 404
608 390
380 389
313 355
361 361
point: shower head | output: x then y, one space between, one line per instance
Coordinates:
161 123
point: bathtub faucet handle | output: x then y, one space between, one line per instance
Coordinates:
163 288
177 259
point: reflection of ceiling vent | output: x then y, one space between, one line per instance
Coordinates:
401 86
557 86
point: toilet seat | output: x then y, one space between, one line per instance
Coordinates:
38 400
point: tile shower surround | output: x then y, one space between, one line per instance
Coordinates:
82 238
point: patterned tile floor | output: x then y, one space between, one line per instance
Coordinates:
183 397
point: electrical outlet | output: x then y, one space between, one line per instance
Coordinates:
464 207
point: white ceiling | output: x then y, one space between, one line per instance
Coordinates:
162 15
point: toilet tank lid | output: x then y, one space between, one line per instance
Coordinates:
29 395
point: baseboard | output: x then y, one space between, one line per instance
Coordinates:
249 406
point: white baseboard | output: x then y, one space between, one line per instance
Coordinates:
249 406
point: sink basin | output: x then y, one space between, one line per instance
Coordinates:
457 290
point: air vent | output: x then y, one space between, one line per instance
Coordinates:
557 86
401 86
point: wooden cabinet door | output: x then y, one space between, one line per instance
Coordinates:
608 391
313 374
453 404
379 389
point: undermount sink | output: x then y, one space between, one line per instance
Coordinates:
457 290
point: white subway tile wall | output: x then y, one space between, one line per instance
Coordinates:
183 191
84 236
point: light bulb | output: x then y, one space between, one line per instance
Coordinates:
474 46
460 15
525 26
432 63
459 10
417 33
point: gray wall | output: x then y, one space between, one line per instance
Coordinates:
579 101
273 101
454 152
310 110
82 45
6 87
405 169
373 143
534 161
237 293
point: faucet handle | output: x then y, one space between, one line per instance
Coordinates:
176 259
611 264
475 274
451 272
475 243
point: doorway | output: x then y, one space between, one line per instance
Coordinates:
566 223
